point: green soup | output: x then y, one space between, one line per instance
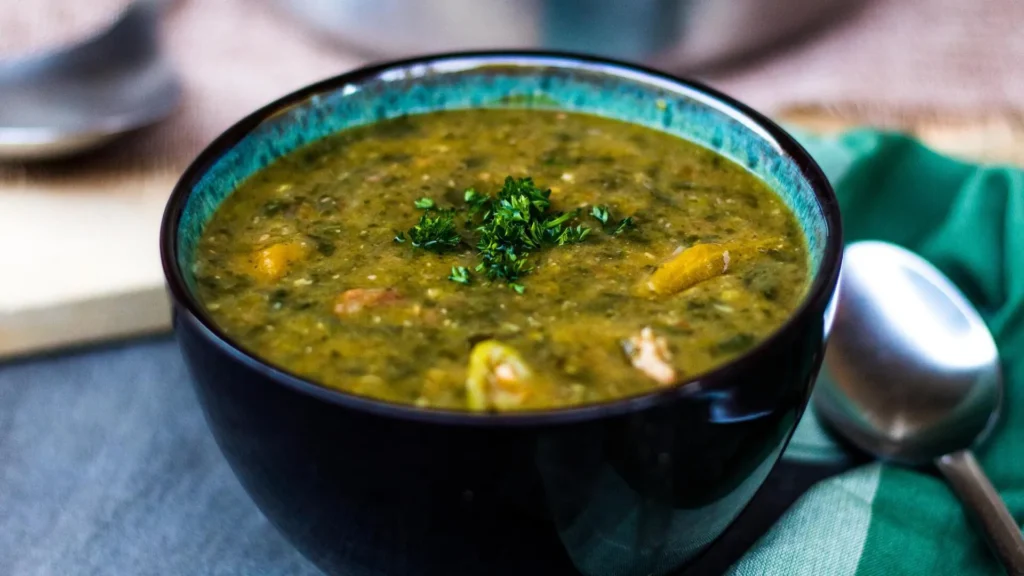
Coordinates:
361 262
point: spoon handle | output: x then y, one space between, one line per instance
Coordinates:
986 507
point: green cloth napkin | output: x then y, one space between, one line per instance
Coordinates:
880 519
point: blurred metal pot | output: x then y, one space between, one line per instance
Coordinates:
672 34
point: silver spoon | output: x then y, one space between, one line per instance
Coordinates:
915 378
79 97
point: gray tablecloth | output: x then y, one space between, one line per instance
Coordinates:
107 468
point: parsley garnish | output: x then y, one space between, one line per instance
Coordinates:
435 231
515 223
508 227
626 224
476 201
604 216
459 274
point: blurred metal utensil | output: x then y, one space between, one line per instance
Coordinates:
79 97
672 34
914 377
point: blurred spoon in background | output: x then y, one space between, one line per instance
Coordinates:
76 98
914 378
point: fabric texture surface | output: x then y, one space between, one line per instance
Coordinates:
106 466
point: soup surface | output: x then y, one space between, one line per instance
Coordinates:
361 261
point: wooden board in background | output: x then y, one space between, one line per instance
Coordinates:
995 136
81 261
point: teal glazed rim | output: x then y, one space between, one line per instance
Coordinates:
502 79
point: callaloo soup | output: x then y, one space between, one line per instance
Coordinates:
500 260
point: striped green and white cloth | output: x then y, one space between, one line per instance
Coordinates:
879 519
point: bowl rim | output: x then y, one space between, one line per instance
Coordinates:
186 306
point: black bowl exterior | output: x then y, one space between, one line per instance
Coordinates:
637 486
367 493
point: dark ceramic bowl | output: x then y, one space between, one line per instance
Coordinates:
636 486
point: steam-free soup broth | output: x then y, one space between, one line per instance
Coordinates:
496 260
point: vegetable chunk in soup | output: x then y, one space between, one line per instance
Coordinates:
497 260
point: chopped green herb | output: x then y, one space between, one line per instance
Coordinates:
435 231
572 235
603 215
519 288
400 238
509 227
459 274
475 200
516 223
626 224
556 221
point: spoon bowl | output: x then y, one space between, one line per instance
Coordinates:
914 378
74 99
914 370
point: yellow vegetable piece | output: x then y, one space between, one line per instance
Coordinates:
690 267
498 378
272 262
702 262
